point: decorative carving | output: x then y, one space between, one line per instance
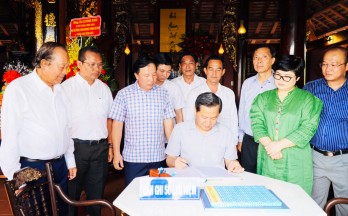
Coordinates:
38 25
229 2
229 33
27 175
88 8
50 20
121 30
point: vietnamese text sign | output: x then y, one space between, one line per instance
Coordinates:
172 27
85 27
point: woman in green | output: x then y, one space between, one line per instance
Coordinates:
284 120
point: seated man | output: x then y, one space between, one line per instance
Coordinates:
203 142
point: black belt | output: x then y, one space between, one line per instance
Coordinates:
56 159
89 142
330 153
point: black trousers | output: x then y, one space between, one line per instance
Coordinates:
60 175
133 170
249 153
92 172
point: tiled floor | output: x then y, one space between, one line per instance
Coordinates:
114 186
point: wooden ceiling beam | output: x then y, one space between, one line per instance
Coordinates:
258 27
337 14
274 28
328 18
211 29
152 29
196 26
320 22
2 27
328 6
343 6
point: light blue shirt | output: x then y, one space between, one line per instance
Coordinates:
250 89
202 149
143 114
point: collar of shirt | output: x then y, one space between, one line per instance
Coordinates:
82 81
137 87
268 81
192 126
41 85
324 81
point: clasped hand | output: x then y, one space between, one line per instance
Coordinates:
274 150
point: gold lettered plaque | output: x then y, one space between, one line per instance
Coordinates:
172 27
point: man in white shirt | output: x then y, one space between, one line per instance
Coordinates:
214 70
263 59
189 80
36 120
203 141
90 101
164 68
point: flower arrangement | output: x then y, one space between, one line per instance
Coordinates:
198 44
13 70
73 46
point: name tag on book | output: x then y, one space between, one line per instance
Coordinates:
170 188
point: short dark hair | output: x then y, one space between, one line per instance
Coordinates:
272 50
290 63
83 51
208 99
214 57
46 52
141 62
340 48
195 58
163 58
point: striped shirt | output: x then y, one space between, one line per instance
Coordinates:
143 114
333 126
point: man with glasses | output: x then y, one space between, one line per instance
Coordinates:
330 143
263 59
90 100
36 120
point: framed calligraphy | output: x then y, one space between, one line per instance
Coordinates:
172 27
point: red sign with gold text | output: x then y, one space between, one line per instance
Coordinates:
85 27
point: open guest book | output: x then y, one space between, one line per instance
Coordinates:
257 198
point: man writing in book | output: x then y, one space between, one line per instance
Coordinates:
203 142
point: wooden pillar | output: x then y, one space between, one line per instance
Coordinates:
293 27
242 49
62 22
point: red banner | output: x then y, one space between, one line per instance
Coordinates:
85 27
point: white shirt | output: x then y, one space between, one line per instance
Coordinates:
90 105
228 115
176 96
35 124
185 87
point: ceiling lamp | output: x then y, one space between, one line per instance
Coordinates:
241 29
127 50
221 50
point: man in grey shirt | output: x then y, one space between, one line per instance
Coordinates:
203 142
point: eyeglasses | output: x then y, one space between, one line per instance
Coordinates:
285 78
93 65
324 65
